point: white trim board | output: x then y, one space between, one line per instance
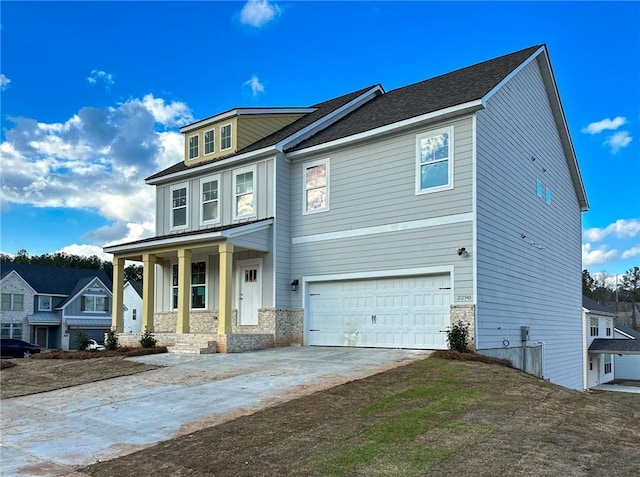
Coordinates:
379 229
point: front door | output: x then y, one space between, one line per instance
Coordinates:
41 336
593 373
249 298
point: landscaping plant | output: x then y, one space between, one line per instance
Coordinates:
82 341
458 336
147 340
111 342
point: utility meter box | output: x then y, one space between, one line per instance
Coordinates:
524 333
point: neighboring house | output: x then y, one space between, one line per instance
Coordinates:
48 305
627 366
132 293
376 219
597 333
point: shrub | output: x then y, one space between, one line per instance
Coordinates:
147 340
82 341
111 342
458 336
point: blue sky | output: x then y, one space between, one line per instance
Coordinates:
93 93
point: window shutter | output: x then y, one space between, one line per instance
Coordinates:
82 303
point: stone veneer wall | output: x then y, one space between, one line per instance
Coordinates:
466 313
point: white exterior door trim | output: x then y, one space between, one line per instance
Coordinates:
403 272
240 266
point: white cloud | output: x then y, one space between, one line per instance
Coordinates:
605 124
618 141
622 228
4 81
102 76
257 13
256 86
86 251
632 252
598 256
97 160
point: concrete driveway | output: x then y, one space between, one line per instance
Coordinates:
49 434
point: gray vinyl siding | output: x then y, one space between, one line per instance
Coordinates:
373 183
535 280
263 190
282 234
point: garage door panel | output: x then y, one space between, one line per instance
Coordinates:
408 312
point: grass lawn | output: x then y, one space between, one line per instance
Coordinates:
430 417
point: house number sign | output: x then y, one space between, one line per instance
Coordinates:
463 297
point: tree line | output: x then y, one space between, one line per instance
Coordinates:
61 259
627 290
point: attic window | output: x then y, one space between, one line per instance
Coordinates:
44 303
193 147
434 160
210 141
225 137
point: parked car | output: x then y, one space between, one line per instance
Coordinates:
94 346
17 348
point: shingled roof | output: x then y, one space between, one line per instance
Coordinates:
54 280
458 87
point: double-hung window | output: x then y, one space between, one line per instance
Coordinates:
11 330
44 303
179 206
607 364
225 137
209 142
193 147
12 302
594 326
316 186
434 160
209 191
608 328
94 303
198 285
244 189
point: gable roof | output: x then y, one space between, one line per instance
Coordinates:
322 110
627 330
47 280
436 94
136 285
592 305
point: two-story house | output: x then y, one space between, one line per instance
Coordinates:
49 305
376 219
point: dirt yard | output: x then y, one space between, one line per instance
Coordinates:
429 418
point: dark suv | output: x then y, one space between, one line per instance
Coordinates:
17 348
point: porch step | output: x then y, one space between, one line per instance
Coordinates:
193 344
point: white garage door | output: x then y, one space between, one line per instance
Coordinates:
402 312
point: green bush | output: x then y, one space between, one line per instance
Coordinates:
82 341
112 340
147 340
458 336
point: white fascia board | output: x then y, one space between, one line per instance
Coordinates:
329 118
623 333
252 155
244 111
459 109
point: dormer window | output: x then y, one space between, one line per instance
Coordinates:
225 137
209 142
193 147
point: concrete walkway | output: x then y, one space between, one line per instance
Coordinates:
621 388
49 434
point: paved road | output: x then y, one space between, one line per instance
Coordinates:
50 434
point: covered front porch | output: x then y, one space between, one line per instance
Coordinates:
205 291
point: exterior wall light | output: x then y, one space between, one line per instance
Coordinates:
463 252
294 285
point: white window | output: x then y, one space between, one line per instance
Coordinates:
198 285
434 160
316 186
607 364
193 147
244 190
225 137
44 303
179 206
209 192
134 314
11 330
209 141
12 302
594 326
547 196
608 328
94 303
